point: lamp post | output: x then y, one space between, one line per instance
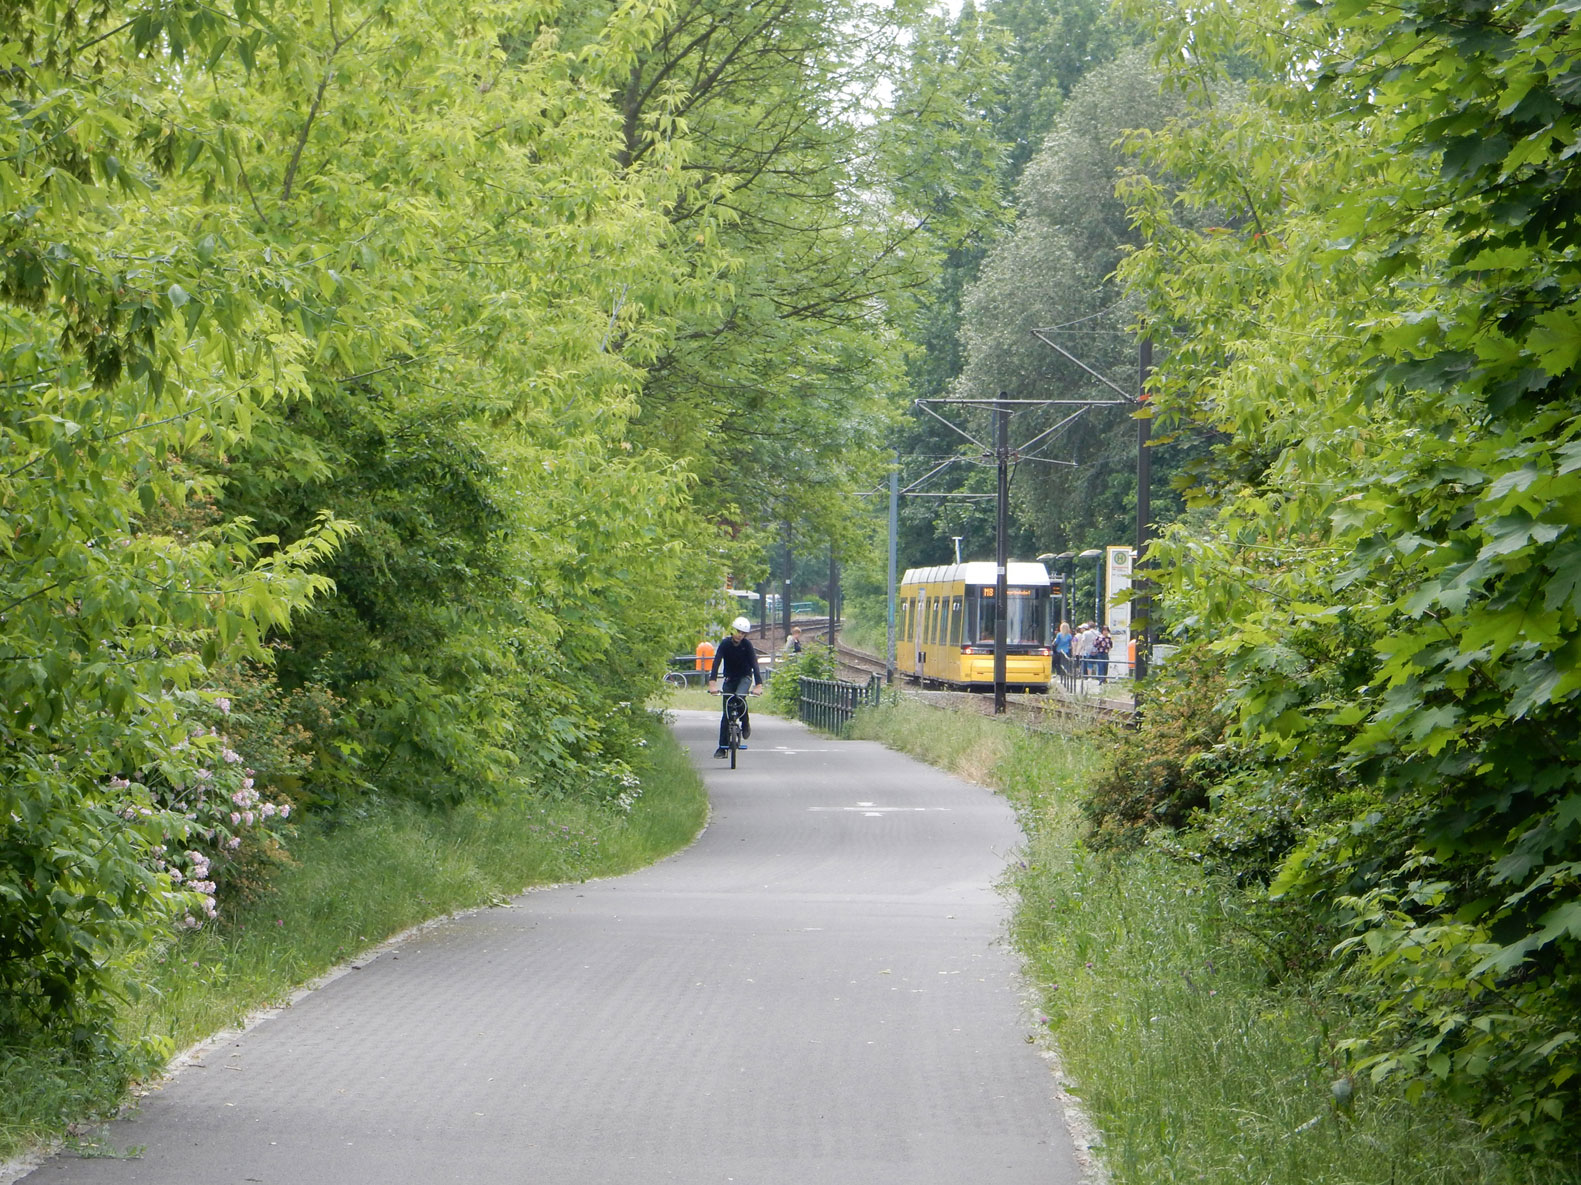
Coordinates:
1060 565
1097 588
1001 548
1064 558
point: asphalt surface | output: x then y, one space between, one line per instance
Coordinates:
815 993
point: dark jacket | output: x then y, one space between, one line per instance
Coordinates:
738 658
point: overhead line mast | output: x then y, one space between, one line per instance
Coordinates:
1005 457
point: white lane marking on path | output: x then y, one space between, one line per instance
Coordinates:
869 809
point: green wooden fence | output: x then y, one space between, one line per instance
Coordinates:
829 704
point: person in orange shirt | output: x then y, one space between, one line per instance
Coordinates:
705 654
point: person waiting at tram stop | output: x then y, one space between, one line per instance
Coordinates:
1079 645
1088 642
742 677
1062 642
1101 646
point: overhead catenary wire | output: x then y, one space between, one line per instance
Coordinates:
1107 309
1125 396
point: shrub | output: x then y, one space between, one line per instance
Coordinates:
1159 774
783 691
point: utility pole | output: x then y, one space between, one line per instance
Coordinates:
1003 455
834 594
894 530
1002 550
785 584
1142 628
1141 602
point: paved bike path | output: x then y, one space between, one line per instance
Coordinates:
815 993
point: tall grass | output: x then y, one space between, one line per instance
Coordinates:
1195 1064
351 884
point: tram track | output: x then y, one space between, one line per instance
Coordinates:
1056 709
851 661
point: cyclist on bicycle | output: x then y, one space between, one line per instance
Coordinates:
742 677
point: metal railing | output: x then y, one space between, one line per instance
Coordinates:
1076 676
830 704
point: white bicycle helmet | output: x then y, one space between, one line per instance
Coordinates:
742 624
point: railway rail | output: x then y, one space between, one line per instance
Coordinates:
850 661
813 629
1054 709
1058 709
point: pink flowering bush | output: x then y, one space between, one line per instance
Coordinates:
295 739
218 826
235 780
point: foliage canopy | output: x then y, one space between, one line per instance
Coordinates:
1380 317
364 368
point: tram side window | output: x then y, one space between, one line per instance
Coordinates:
955 621
903 625
933 621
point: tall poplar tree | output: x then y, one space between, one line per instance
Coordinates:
1041 50
1055 272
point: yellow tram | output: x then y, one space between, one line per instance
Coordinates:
945 618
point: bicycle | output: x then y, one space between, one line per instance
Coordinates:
735 708
675 680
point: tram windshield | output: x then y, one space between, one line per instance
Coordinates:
1026 620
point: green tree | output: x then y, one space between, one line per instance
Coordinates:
127 346
826 207
1055 272
483 280
1051 45
1039 51
259 264
1380 322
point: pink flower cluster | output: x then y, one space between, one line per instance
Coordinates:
210 816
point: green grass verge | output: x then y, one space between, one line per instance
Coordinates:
1193 1064
349 887
694 698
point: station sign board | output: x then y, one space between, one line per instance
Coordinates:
1118 563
